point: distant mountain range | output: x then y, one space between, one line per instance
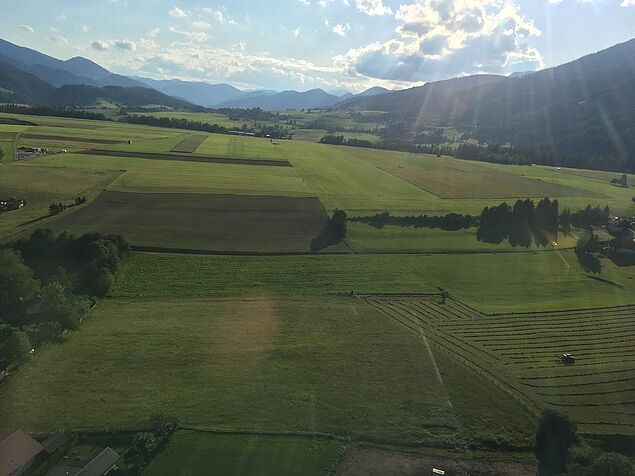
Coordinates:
90 79
583 108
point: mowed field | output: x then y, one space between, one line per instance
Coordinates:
520 353
213 222
329 365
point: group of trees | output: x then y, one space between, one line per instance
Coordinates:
174 123
334 231
57 208
47 285
52 111
523 223
275 131
340 140
561 451
146 445
449 222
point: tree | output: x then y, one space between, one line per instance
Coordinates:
17 284
103 282
338 224
143 445
62 307
556 434
611 464
14 346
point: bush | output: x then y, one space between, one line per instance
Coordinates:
556 434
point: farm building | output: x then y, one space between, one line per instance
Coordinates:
19 453
103 463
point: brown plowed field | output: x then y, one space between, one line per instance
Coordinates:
242 223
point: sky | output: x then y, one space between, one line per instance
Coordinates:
337 45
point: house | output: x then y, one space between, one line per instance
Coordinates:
19 453
102 464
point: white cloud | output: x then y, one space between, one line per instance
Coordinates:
627 3
441 39
60 18
125 45
193 36
176 12
373 7
59 39
341 30
27 28
219 16
100 45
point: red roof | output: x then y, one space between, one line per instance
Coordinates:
17 449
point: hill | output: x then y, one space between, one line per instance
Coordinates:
203 94
286 100
82 95
57 72
20 87
579 109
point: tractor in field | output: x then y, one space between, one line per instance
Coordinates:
567 358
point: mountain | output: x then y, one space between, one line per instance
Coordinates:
374 91
285 100
428 103
203 94
19 87
582 109
58 73
83 95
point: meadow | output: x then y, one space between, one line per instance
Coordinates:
351 342
224 454
521 353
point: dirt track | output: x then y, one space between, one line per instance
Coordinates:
188 158
378 462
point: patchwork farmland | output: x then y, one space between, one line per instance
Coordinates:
222 314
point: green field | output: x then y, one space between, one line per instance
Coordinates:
221 454
520 352
256 354
503 282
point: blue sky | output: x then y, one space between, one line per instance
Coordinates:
332 44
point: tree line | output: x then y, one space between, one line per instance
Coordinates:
52 111
523 223
48 283
334 139
449 222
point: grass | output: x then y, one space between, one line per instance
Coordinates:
164 176
504 282
199 453
262 365
522 352
41 186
